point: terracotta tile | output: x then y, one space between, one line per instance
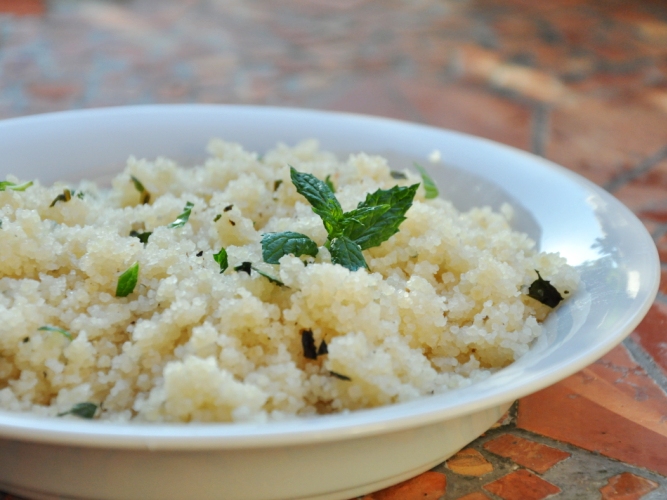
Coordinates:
627 486
661 244
600 139
469 462
521 485
600 407
472 110
651 333
373 96
535 456
663 284
427 486
483 65
23 7
53 91
475 496
646 195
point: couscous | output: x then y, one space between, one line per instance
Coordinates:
222 293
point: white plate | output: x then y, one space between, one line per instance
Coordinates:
332 457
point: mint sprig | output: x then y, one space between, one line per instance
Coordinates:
374 220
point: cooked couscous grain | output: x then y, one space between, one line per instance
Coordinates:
444 302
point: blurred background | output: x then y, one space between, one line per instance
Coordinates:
581 82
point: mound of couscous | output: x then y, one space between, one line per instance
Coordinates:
156 301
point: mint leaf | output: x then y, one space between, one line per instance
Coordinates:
329 183
184 217
145 195
429 185
62 331
543 291
4 185
320 196
83 410
221 259
347 253
127 281
271 279
143 237
65 196
361 218
275 245
339 376
380 225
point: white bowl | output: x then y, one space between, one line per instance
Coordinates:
339 456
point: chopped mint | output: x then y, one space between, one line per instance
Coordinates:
127 281
184 217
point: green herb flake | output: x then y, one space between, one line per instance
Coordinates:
217 218
339 376
184 217
308 344
83 410
276 184
145 195
62 331
143 237
244 267
65 196
275 245
429 185
323 349
347 253
271 279
543 291
395 174
221 259
4 185
127 281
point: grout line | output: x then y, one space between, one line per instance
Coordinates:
643 167
540 129
643 359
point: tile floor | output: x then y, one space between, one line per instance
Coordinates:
581 82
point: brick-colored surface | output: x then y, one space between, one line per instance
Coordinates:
581 82
627 486
428 486
23 7
650 334
599 407
535 456
522 485
470 109
469 462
